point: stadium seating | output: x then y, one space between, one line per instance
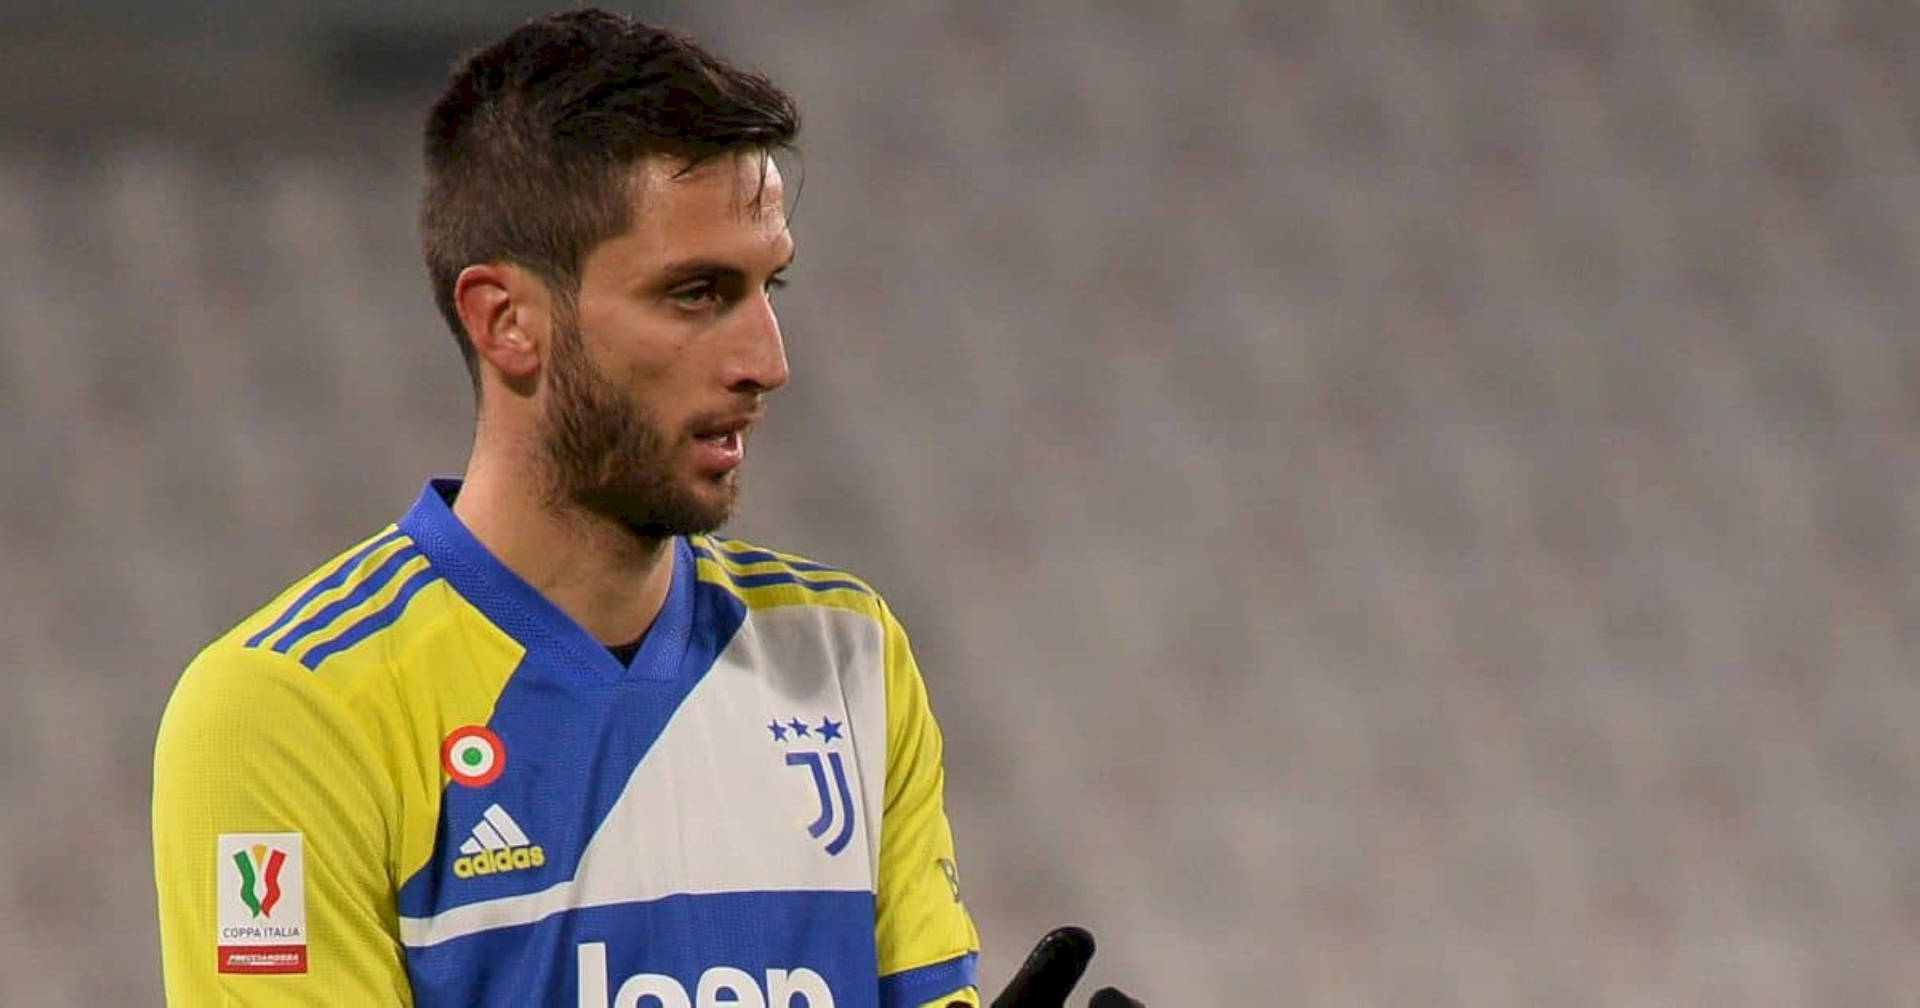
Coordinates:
1397 503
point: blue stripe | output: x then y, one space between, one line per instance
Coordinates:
788 577
766 556
575 733
378 620
914 987
552 638
330 582
779 577
381 577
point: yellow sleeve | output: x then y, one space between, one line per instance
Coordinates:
927 944
271 841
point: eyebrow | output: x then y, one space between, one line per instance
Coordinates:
689 269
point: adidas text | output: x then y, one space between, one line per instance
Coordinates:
496 846
496 862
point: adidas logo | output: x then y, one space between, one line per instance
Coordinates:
497 845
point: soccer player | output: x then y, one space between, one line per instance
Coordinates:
546 740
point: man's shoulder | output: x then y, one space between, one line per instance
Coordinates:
360 592
764 578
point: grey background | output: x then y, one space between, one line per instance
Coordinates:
1397 503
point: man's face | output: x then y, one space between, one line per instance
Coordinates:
658 371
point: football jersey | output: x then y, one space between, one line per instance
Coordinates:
412 779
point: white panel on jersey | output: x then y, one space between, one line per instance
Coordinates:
719 803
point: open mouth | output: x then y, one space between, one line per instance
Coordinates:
722 445
729 441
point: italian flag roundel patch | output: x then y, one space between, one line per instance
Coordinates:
473 756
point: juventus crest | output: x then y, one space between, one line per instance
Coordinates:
817 749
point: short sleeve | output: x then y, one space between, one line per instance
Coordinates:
271 842
927 943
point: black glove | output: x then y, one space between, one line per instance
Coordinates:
1051 970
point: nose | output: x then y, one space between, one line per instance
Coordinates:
757 359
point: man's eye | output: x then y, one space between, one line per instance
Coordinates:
776 283
695 296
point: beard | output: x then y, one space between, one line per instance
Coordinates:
612 457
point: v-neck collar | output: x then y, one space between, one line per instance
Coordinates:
549 635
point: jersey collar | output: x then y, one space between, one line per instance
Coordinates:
518 609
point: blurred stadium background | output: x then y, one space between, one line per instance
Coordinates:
1398 503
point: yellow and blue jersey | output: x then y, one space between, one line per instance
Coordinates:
412 780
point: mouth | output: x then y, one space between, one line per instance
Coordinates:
731 443
733 428
722 444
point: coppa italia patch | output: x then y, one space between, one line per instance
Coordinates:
262 902
473 756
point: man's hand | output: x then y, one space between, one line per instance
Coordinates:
1051 970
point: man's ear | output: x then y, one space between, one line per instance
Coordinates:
505 311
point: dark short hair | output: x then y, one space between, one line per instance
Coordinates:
528 150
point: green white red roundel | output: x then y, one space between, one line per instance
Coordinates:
473 756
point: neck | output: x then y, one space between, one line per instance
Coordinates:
596 571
